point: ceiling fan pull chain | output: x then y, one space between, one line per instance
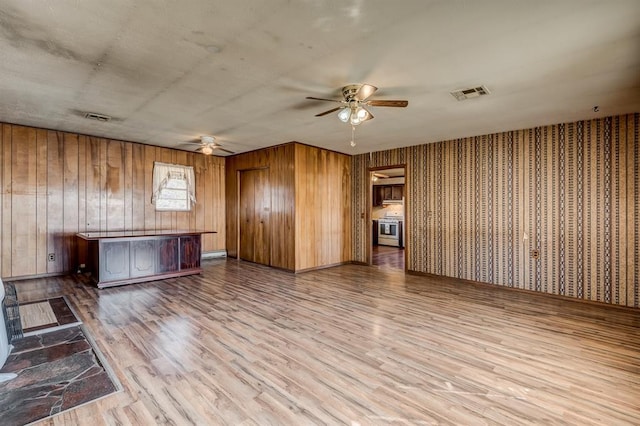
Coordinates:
353 135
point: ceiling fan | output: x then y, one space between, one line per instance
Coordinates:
208 145
380 175
353 109
375 176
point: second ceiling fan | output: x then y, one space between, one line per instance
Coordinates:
208 145
356 98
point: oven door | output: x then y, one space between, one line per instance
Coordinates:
388 229
388 233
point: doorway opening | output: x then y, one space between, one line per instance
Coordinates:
387 213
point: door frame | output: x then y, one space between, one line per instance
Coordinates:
369 210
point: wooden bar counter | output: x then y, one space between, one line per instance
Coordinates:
125 257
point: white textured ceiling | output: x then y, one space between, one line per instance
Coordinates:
170 71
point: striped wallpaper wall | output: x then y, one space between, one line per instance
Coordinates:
477 206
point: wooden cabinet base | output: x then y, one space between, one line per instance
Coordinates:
119 258
155 277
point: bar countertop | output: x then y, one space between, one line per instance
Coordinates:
127 234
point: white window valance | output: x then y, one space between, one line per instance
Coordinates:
173 187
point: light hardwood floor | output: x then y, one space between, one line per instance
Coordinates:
387 257
355 345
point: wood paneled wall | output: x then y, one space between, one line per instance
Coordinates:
280 162
310 204
323 207
55 184
477 206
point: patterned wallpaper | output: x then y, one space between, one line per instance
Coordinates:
476 207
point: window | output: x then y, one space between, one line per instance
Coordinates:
173 187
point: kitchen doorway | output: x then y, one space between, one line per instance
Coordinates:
387 217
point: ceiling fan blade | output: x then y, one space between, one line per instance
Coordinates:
364 92
328 112
323 99
225 150
369 116
401 104
198 150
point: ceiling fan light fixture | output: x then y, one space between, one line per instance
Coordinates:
207 150
344 115
358 115
356 98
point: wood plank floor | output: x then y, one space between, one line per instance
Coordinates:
387 257
243 344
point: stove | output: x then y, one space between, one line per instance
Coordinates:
390 231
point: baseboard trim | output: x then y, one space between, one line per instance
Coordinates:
519 290
315 268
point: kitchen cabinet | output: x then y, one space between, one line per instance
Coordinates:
396 192
378 195
387 192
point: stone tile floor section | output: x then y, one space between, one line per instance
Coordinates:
56 371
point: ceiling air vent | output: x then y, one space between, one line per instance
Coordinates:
473 92
96 116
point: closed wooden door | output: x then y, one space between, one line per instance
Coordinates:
254 211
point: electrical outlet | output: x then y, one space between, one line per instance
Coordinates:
535 254
51 257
